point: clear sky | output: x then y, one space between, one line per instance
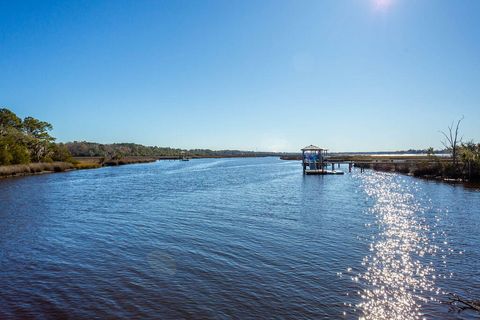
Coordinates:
359 75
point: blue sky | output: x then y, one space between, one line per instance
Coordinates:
359 75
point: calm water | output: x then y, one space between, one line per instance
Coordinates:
235 238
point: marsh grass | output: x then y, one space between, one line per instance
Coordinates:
77 163
34 168
128 160
86 165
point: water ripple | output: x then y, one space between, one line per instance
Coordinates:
398 278
233 238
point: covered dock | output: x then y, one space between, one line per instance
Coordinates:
314 161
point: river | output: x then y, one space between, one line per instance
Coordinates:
235 238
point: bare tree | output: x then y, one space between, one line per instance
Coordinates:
452 141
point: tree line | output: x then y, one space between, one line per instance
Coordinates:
119 150
27 140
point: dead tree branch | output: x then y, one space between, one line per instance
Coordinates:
452 141
461 303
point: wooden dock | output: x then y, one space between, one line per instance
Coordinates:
315 161
322 172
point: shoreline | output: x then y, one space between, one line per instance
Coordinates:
86 163
430 174
37 168
426 167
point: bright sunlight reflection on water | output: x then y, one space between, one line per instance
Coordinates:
399 275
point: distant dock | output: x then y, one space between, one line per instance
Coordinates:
314 161
322 172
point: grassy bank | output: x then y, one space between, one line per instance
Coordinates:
429 170
34 168
430 167
97 162
77 164
438 168
81 163
128 160
422 166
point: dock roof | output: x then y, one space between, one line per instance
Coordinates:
312 148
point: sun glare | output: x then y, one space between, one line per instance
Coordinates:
382 4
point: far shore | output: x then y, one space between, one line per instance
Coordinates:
82 163
430 167
420 166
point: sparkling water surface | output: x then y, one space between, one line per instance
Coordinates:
235 238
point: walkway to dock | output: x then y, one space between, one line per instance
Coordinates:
364 162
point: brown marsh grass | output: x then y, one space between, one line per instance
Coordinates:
34 168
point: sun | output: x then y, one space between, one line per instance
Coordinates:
382 4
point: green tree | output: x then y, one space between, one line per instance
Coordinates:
27 140
12 147
470 155
59 152
9 120
38 129
5 155
20 154
38 138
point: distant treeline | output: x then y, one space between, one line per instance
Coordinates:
23 141
27 140
119 150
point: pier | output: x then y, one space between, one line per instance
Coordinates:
314 161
